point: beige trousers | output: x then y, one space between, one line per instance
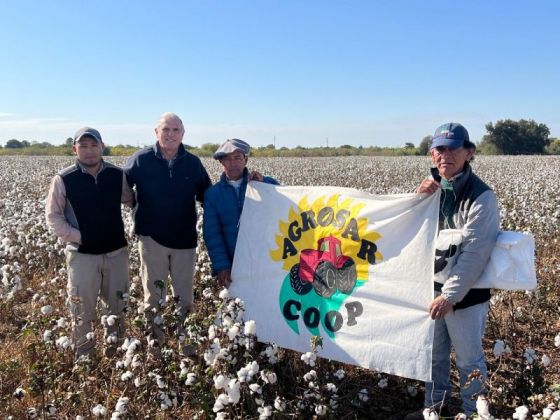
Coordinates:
89 277
157 264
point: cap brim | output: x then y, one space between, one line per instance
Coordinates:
445 142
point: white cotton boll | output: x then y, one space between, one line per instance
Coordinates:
63 342
255 388
191 379
160 382
224 294
310 376
279 404
158 319
233 332
521 413
47 335
546 360
331 387
111 339
363 395
234 391
104 321
207 293
269 377
557 340
265 412
500 348
383 383
221 401
482 407
61 323
19 393
546 413
98 411
221 416
320 410
555 415
530 356
431 415
220 381
46 310
90 336
138 382
339 374
250 327
111 320
253 368
78 417
309 358
121 407
127 376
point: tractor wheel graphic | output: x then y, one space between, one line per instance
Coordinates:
324 279
299 286
346 276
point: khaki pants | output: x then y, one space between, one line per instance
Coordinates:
90 276
158 263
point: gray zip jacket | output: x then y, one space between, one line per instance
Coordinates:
477 213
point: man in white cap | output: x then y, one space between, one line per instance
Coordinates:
223 204
84 210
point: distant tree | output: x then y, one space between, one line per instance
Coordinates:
188 146
346 146
69 142
14 144
270 146
554 147
25 143
408 145
425 144
210 147
107 151
523 137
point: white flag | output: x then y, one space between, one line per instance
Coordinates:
351 267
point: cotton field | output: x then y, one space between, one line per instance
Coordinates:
236 377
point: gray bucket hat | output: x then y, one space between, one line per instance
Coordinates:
230 146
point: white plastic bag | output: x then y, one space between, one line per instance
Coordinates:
511 265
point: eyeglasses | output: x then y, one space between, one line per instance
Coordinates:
440 150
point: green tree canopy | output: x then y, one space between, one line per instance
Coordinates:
523 137
425 144
210 147
14 144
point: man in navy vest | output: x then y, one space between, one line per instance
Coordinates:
84 210
167 180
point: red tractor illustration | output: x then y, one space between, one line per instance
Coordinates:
325 269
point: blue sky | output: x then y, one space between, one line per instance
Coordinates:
295 72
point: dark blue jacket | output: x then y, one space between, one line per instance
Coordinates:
222 210
165 195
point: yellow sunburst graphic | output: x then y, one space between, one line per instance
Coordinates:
327 217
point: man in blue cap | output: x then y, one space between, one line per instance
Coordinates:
84 210
223 204
459 310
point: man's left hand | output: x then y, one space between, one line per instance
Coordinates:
256 176
439 308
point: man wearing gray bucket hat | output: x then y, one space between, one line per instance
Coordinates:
84 210
223 204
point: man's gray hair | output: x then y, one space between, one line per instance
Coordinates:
166 116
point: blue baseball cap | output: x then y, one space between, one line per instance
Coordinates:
230 146
452 135
87 132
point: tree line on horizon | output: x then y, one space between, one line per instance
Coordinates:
505 137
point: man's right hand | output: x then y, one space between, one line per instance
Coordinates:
428 186
224 278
